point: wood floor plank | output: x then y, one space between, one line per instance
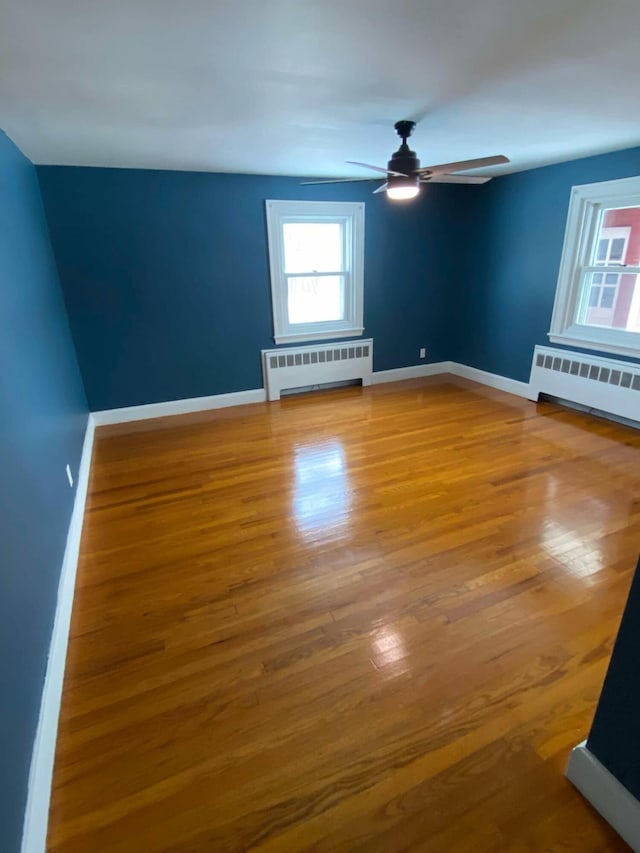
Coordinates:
366 619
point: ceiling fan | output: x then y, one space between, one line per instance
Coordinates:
404 173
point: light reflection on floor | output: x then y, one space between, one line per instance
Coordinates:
388 646
574 545
579 555
321 495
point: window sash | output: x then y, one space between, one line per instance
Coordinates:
317 220
596 284
344 279
320 325
586 287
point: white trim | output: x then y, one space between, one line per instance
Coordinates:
493 380
585 207
483 377
41 772
415 371
178 407
258 395
602 346
291 339
605 793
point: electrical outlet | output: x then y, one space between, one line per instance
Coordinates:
423 352
69 476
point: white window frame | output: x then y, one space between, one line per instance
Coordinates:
585 207
351 214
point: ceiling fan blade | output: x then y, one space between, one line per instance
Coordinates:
377 168
380 189
337 181
454 179
463 165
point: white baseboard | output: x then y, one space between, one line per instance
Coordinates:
413 372
41 772
608 796
258 395
493 380
178 407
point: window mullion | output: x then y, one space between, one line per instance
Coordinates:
312 274
612 268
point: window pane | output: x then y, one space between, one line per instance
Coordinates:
608 297
598 306
613 243
315 299
312 247
616 253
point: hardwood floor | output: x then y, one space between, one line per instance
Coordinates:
363 620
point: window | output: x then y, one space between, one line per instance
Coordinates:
316 255
597 302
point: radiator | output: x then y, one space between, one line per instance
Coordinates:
599 383
319 364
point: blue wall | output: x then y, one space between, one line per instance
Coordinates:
615 735
507 278
157 266
166 280
43 414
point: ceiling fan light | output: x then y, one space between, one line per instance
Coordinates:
402 193
401 188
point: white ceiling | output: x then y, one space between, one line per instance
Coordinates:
297 87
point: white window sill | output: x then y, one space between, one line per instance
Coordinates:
599 345
318 336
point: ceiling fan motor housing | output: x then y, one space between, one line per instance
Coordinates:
404 160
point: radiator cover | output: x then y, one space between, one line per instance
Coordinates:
600 383
316 364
